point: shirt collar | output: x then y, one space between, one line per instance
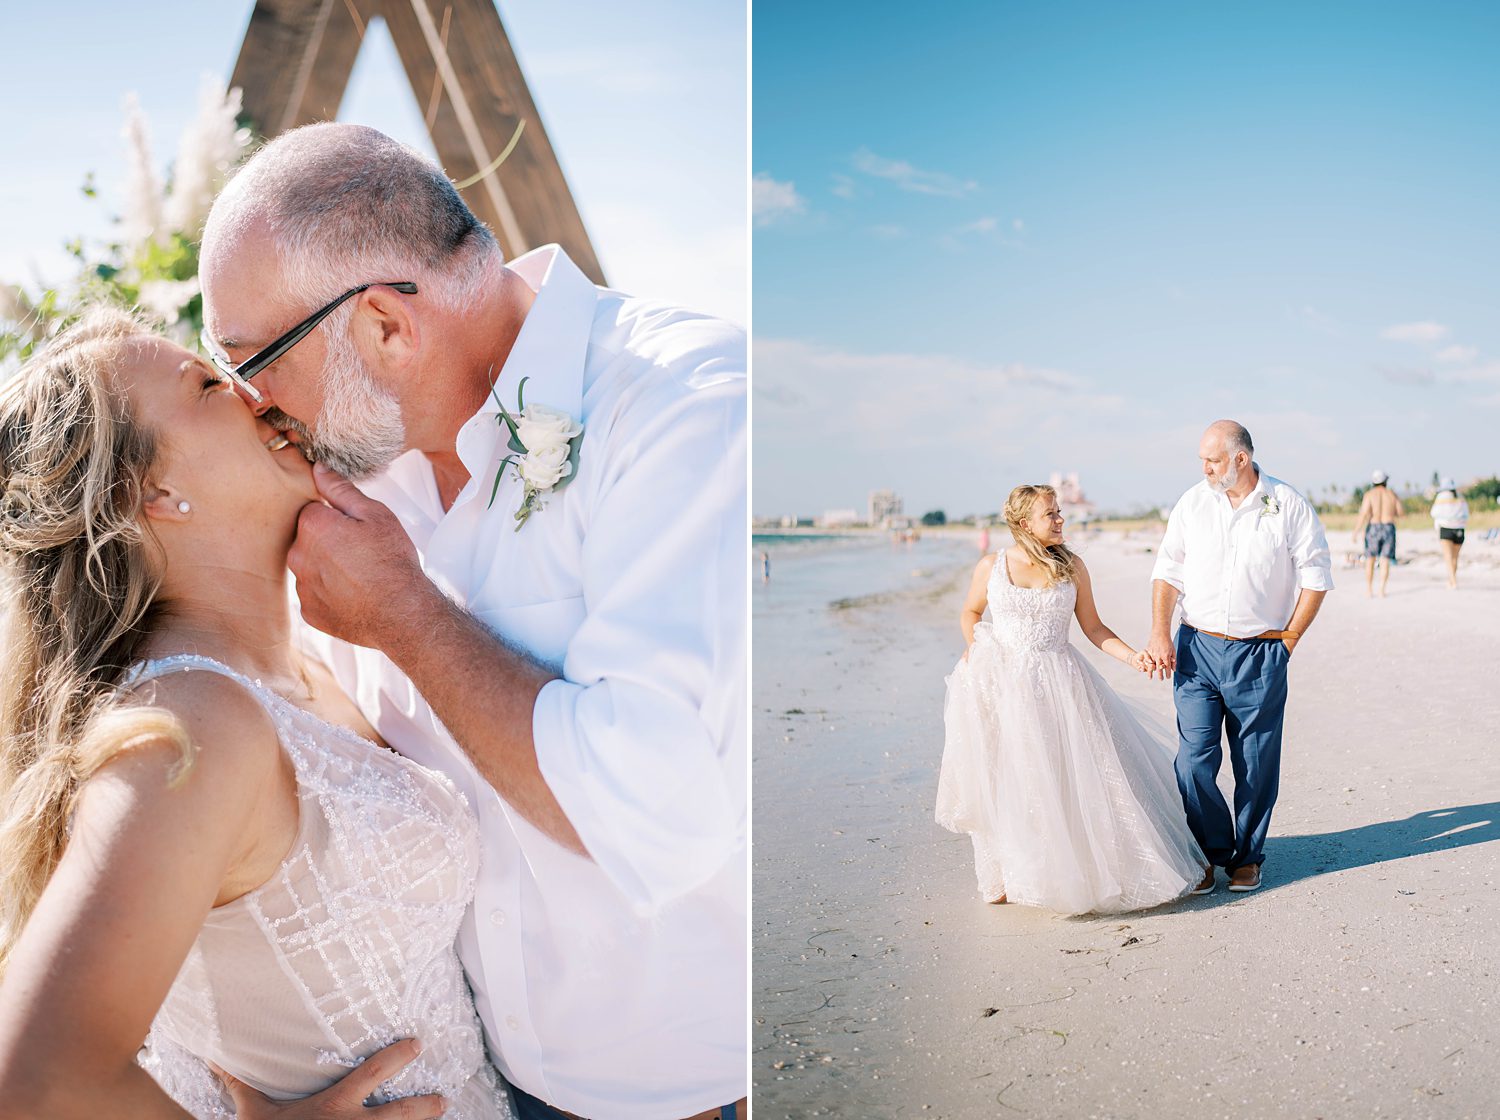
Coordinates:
1252 499
549 351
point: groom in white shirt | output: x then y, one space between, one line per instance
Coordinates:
550 608
1245 556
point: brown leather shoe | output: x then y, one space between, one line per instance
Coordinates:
1246 878
1206 886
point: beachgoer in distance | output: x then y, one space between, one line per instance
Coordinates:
1379 511
1450 513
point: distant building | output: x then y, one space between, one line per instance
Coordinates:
884 505
792 522
1070 497
838 518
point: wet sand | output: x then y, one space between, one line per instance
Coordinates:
1360 981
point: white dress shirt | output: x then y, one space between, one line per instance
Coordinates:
614 987
1240 571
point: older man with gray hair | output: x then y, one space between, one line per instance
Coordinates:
539 589
1246 558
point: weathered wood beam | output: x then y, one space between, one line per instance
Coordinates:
481 97
295 62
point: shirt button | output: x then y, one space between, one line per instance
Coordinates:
497 917
512 1022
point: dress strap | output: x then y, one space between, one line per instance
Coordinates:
143 671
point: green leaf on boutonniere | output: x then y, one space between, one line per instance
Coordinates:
521 395
514 442
573 446
509 460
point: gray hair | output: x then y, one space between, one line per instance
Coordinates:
1236 437
346 205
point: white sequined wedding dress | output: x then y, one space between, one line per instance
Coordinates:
1071 803
347 948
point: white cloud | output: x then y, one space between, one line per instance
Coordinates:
772 200
1483 373
910 178
811 399
888 232
983 225
1456 353
1425 331
1018 225
843 186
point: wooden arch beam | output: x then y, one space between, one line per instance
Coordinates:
294 67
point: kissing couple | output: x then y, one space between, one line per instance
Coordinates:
1072 803
462 830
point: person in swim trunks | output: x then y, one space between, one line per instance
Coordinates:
1376 527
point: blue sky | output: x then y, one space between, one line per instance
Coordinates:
995 240
644 102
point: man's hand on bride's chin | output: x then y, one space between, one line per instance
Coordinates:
358 575
344 1098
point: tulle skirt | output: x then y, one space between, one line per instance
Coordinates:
1070 800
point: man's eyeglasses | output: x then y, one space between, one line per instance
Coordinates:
242 373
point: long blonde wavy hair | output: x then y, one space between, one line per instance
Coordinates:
80 574
1058 562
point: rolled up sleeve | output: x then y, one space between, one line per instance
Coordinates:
1171 553
643 740
1309 547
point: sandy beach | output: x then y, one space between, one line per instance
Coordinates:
1362 981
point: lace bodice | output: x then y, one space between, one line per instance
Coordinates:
1025 619
347 948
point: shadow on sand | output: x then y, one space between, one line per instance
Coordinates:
1292 858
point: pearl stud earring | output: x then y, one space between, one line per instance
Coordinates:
183 507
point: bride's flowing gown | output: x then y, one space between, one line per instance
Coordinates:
1071 804
347 948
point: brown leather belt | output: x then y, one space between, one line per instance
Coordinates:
1281 634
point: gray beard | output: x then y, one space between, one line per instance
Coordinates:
358 431
1230 480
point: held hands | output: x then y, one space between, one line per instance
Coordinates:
358 576
344 1098
1158 660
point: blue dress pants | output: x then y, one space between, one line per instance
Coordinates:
530 1108
1234 691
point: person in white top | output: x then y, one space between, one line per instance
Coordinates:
540 590
1450 513
1246 558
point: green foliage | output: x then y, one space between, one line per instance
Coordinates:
935 517
150 263
1481 496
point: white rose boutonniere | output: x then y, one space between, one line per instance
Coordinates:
544 445
1269 506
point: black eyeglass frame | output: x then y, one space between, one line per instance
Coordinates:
242 372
